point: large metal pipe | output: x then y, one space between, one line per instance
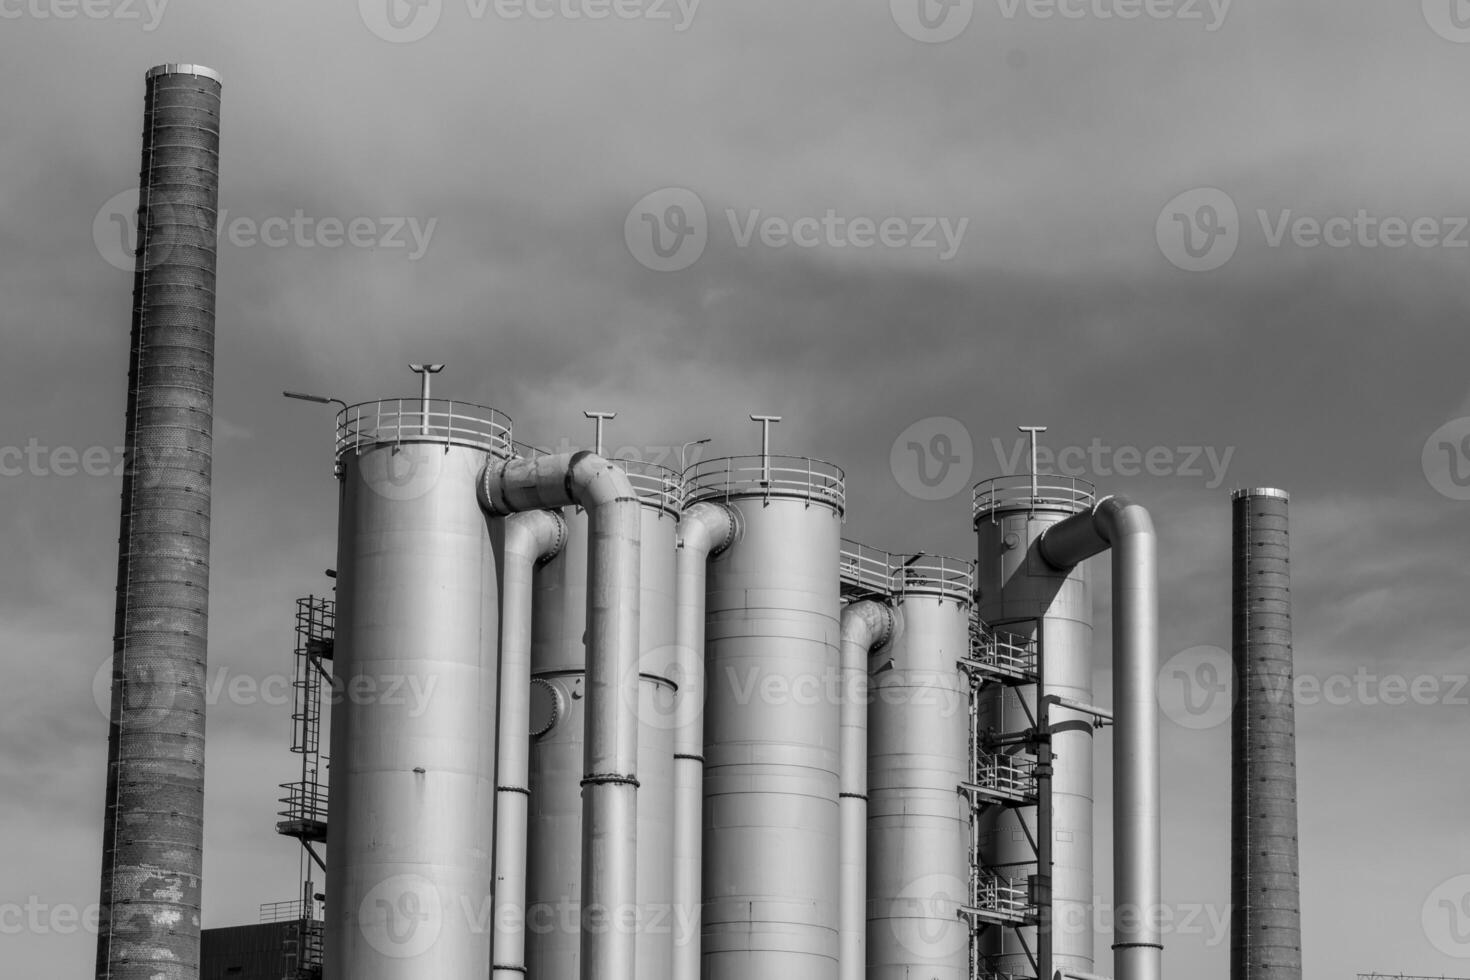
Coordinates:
530 538
610 780
558 754
705 530
1124 527
1265 924
866 626
559 667
153 826
412 802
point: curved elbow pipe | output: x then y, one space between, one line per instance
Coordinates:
610 779
866 626
705 530
531 538
1125 527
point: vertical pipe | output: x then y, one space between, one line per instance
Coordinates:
531 537
1127 529
153 827
660 924
866 626
1138 945
1265 931
610 780
559 674
559 666
705 530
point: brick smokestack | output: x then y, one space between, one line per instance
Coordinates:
153 836
1265 890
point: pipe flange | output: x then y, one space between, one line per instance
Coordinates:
555 547
488 489
734 527
548 705
887 627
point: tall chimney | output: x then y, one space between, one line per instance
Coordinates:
153 830
1265 890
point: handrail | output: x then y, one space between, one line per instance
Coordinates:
1024 490
657 486
900 575
789 477
304 801
414 420
291 911
1007 895
1009 773
1000 650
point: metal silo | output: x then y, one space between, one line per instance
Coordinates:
558 721
771 821
414 723
153 826
918 821
1040 635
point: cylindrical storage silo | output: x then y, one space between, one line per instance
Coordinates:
1020 595
558 721
414 711
772 716
918 755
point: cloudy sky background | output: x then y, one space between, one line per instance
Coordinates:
1324 370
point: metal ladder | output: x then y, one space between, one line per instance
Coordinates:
1003 772
304 816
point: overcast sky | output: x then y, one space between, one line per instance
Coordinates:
1089 222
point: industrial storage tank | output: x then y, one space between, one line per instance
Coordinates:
1039 622
413 732
558 717
771 816
918 825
